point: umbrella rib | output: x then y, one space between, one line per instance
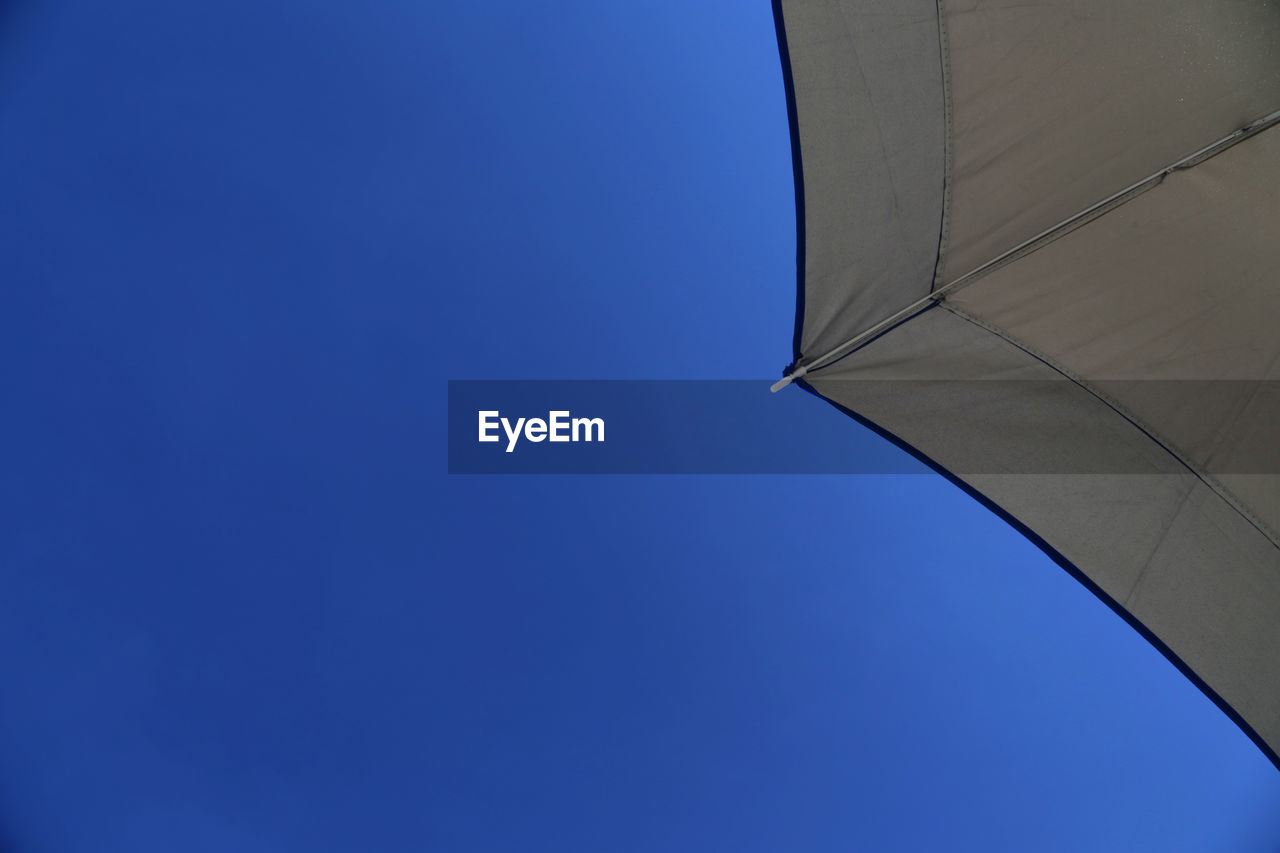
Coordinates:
799 370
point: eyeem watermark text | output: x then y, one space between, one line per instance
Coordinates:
558 426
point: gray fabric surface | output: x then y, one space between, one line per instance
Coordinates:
1059 104
1055 106
1181 283
868 86
1162 545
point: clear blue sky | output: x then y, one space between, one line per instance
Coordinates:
242 605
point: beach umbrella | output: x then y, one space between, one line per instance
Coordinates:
1039 246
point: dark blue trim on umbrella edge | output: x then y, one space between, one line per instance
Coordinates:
1070 567
797 172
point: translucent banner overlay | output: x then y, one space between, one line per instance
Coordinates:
738 427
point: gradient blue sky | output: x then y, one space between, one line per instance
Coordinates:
242 605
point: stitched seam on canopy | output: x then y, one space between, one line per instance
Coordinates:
1204 476
948 166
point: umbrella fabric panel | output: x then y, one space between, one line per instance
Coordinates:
1168 306
1154 540
867 84
1058 105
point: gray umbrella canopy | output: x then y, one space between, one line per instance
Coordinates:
1039 245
